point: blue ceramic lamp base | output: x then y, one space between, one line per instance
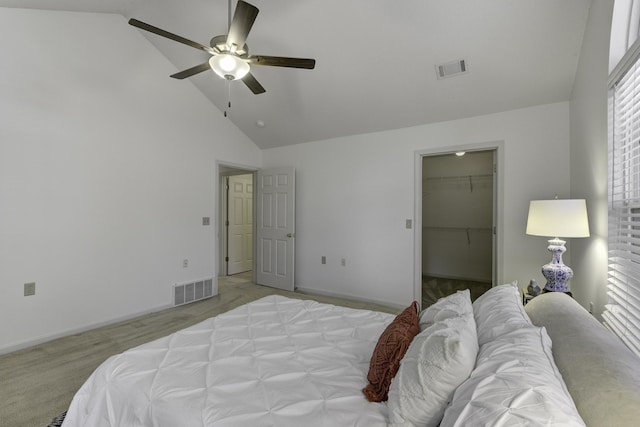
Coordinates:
556 273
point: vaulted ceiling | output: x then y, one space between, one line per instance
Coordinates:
376 59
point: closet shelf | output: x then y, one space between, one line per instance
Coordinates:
457 228
468 178
454 177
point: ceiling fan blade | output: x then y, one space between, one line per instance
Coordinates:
253 84
281 61
174 37
192 71
243 19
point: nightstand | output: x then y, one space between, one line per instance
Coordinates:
526 297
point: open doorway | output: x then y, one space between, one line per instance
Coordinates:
262 207
458 223
236 225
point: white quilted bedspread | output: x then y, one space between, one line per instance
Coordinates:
273 362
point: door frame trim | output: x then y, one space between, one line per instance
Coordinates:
498 267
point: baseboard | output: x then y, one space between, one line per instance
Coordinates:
43 339
347 296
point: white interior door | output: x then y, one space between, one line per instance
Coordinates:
275 213
240 217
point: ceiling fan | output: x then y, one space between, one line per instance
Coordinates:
230 57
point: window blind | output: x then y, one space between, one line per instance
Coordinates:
622 313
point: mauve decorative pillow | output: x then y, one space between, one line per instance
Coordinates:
389 351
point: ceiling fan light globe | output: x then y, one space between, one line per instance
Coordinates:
228 66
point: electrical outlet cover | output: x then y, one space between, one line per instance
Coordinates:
29 289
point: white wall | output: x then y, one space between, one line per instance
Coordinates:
589 157
354 194
107 167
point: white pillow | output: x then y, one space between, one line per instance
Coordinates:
438 360
498 311
458 304
515 382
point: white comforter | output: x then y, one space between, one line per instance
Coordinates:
273 362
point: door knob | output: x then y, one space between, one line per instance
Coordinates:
290 235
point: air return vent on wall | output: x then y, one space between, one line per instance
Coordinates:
451 69
185 293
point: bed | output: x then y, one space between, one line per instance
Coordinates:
273 362
285 362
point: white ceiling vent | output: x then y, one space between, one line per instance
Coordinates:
451 69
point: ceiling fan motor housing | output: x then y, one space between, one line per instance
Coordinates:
219 44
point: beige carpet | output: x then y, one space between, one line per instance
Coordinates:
38 383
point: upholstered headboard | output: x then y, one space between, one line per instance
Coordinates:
601 373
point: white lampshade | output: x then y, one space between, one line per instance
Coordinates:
558 218
228 66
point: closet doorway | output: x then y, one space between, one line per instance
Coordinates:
458 223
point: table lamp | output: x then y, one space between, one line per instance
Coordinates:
557 218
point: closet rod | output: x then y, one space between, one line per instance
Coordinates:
440 178
457 228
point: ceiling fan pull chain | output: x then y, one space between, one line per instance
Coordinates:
228 98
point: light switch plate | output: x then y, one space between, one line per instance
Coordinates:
206 220
409 224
